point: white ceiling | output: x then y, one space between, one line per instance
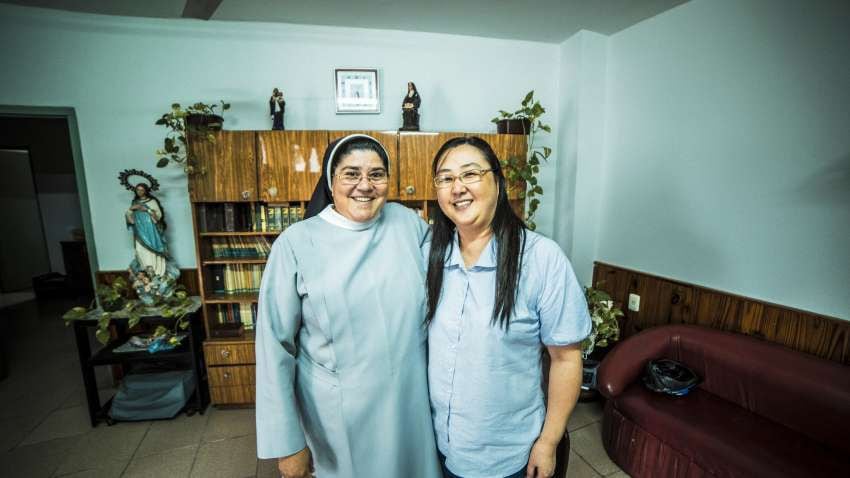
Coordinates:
550 21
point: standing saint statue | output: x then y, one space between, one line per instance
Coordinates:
152 272
410 108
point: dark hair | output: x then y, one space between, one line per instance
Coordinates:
508 232
414 87
147 189
359 144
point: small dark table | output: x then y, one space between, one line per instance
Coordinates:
189 353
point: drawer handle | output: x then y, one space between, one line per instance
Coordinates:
225 353
226 375
410 190
246 194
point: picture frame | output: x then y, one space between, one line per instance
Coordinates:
357 91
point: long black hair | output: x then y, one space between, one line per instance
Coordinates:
333 155
509 232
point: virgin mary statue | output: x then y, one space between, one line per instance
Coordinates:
152 271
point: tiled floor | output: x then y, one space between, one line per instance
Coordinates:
45 429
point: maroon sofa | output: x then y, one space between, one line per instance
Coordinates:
761 409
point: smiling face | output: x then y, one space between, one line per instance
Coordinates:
470 207
363 201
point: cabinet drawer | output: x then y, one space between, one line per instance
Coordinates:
228 376
232 395
229 354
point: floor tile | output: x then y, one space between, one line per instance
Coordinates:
105 443
62 422
587 443
228 458
172 464
224 423
579 468
584 414
102 469
179 432
14 430
34 461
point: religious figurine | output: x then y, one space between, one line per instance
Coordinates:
277 106
410 108
152 271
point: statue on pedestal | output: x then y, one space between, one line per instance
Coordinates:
153 273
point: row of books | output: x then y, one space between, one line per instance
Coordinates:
237 247
236 278
246 314
276 218
253 217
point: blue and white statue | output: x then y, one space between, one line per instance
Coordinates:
152 272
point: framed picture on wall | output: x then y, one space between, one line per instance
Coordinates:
357 90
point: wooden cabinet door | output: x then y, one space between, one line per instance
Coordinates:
415 154
390 142
506 146
226 168
290 164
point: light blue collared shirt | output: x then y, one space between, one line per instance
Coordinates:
485 383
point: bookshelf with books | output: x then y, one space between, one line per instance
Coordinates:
250 187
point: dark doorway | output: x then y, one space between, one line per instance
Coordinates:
42 243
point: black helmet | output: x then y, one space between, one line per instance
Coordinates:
670 377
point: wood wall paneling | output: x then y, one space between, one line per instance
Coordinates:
390 141
666 301
226 169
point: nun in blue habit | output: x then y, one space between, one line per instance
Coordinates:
340 337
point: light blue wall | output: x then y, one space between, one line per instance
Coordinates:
581 143
728 150
120 74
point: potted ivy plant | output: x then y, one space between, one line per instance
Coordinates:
604 331
116 301
526 120
199 120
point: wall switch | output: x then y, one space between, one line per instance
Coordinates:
634 302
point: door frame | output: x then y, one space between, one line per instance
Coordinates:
70 115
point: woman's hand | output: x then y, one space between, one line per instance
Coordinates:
541 461
298 465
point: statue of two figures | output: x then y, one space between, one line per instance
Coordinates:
153 274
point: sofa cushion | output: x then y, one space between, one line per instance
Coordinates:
726 439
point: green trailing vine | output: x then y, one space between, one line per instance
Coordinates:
175 145
114 303
526 168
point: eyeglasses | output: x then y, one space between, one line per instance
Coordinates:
352 177
445 180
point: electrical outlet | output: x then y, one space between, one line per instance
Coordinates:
634 302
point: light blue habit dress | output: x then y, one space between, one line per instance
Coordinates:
340 347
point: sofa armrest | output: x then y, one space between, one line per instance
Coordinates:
625 363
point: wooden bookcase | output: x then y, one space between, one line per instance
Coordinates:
246 171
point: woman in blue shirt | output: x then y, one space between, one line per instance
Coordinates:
497 294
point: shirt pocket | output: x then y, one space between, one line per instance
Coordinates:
310 370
